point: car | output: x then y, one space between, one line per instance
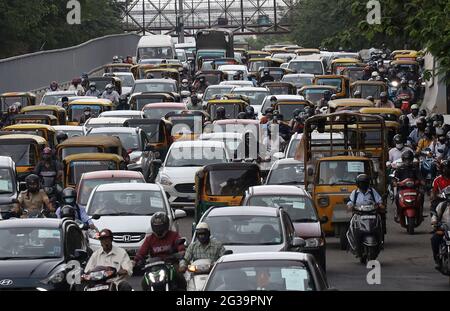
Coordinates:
183 160
54 98
129 114
299 79
312 64
282 271
103 122
159 110
284 98
9 188
134 140
256 95
127 79
90 180
35 252
214 90
244 229
286 172
154 86
318 139
70 130
232 69
126 209
300 207
231 140
238 83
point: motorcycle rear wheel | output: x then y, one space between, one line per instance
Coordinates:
411 225
371 253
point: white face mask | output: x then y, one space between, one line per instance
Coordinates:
399 146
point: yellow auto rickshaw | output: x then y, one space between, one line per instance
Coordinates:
25 150
158 73
305 52
341 83
35 119
348 104
368 88
257 54
223 184
232 107
139 100
24 98
43 130
340 64
286 108
391 117
57 111
354 73
77 164
187 124
90 144
139 70
314 93
254 64
404 55
76 108
113 68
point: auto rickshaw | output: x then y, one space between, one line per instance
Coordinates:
102 82
57 111
43 130
187 124
354 73
138 70
25 150
76 108
390 116
340 64
24 98
348 104
35 118
232 107
159 73
331 179
257 54
90 144
177 66
404 55
223 185
223 61
368 88
341 83
213 77
286 108
280 88
305 52
139 100
276 72
404 66
254 64
314 93
112 68
159 110
76 165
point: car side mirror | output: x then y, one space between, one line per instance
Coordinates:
323 219
80 255
298 242
179 214
228 252
22 186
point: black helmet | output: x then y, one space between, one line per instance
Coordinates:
445 166
398 139
160 224
403 119
61 136
67 211
423 112
250 110
327 94
32 182
69 196
220 112
357 94
407 157
269 110
363 181
242 115
296 112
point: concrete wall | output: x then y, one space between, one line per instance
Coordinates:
435 100
36 71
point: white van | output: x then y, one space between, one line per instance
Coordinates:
312 64
156 46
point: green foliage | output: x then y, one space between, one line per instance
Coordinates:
31 25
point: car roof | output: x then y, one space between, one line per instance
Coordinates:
284 96
31 222
299 75
129 186
250 89
265 256
132 130
61 93
144 81
277 190
6 161
198 143
287 161
243 210
221 135
112 174
106 120
119 112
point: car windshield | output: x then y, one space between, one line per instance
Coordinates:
130 141
127 80
255 97
30 243
155 52
87 185
287 110
186 124
287 174
76 150
333 82
311 67
21 154
78 168
370 90
30 132
246 229
76 111
300 208
314 95
10 100
52 99
231 182
231 110
254 66
152 131
195 156
6 181
126 202
101 84
158 113
154 87
212 91
298 81
341 172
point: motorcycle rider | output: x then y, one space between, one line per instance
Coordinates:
367 73
267 116
48 164
295 114
185 85
111 94
384 101
266 77
425 141
396 152
162 243
418 132
250 113
85 81
12 111
34 200
221 113
203 248
414 115
93 90
373 76
76 86
69 198
112 256
87 114
439 184
439 147
405 90
54 87
442 215
200 85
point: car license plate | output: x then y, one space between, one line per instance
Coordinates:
368 217
98 288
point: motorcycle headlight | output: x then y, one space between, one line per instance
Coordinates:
152 277
394 83
162 275
165 181
314 242
424 83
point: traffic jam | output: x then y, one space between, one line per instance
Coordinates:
211 166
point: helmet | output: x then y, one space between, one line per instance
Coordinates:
273 99
404 120
47 153
220 112
202 232
109 87
415 107
379 78
383 95
404 81
92 84
61 136
375 74
160 224
54 85
363 181
268 110
398 139
357 94
242 115
296 112
69 196
67 211
12 109
445 166
184 81
327 94
408 157
32 182
202 227
266 72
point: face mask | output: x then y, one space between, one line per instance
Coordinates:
204 239
415 112
399 146
69 200
92 89
364 187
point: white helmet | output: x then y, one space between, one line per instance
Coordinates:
202 226
375 74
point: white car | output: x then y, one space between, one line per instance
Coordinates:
126 209
129 114
238 83
70 130
231 140
256 95
127 79
183 160
232 69
104 122
54 98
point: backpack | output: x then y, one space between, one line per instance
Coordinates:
357 193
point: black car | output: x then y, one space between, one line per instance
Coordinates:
8 186
39 254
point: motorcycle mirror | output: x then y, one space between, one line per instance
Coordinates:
181 241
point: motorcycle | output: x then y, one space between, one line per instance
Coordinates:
444 248
409 204
100 279
428 168
365 233
159 275
403 102
48 183
393 86
198 274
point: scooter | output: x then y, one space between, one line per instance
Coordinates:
48 182
444 248
403 102
198 274
409 207
100 279
428 168
365 233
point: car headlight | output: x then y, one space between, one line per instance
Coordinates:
165 181
314 242
58 276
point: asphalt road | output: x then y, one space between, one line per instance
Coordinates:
406 262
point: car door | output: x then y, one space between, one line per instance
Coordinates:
289 231
73 240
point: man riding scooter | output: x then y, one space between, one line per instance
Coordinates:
69 198
50 172
439 184
441 217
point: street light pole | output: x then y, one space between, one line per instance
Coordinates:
180 22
